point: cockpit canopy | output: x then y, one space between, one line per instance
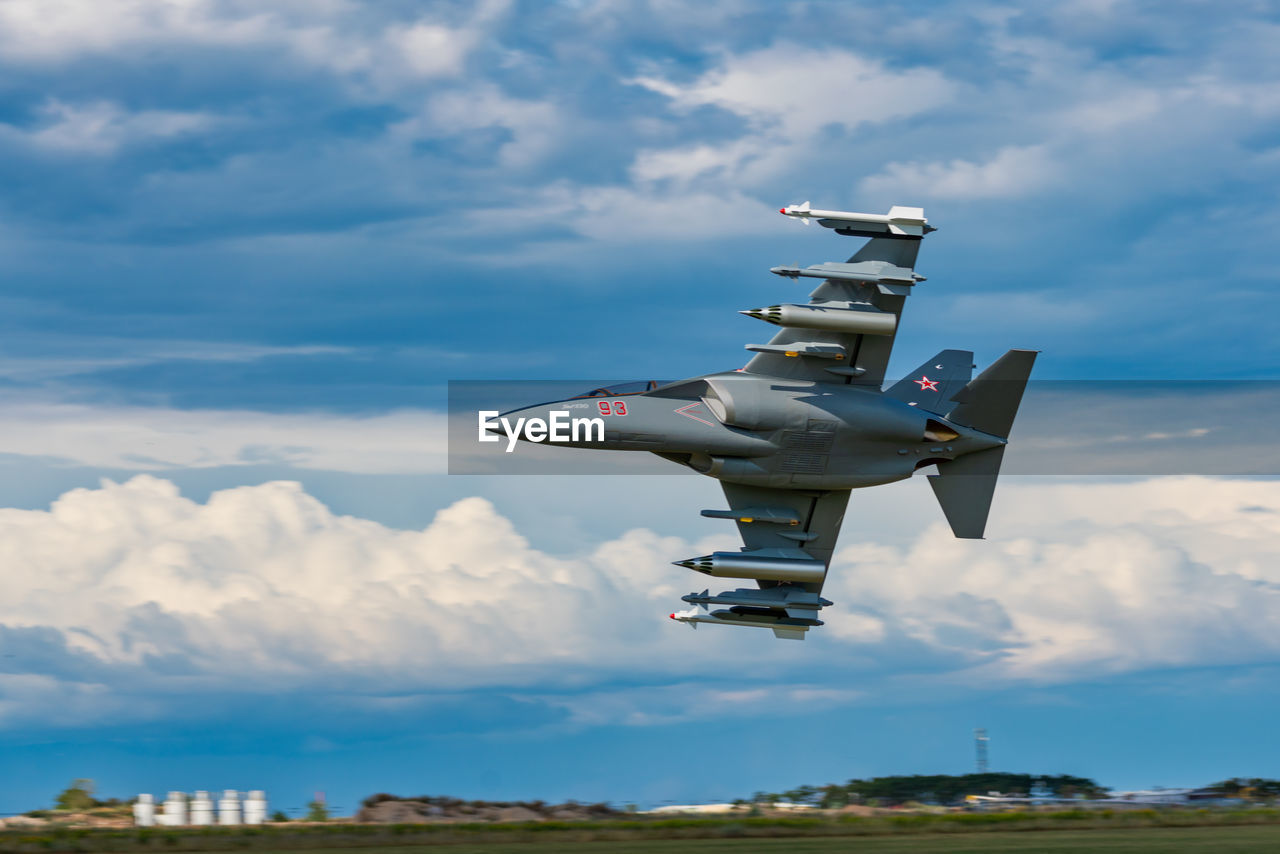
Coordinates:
619 389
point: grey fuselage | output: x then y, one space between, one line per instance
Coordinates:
760 430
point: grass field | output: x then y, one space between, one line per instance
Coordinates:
1218 831
1218 840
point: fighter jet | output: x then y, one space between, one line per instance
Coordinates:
808 420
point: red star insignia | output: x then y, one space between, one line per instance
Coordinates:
926 384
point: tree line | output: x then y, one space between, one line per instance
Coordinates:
935 788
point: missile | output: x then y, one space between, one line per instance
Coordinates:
836 319
867 272
785 597
802 569
901 221
783 627
690 617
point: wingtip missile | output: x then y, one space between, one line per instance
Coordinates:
690 618
801 210
900 221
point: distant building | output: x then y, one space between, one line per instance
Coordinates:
690 809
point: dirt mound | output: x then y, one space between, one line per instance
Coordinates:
390 809
855 809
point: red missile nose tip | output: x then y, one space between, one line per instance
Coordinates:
673 616
782 210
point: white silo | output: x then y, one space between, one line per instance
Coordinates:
255 807
144 811
202 809
229 807
175 809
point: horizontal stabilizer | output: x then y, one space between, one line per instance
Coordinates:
990 402
964 487
932 385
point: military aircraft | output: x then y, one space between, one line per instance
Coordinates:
807 420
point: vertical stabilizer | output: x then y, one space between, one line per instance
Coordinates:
932 385
964 486
990 402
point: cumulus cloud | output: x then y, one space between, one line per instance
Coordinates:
1083 579
263 586
133 588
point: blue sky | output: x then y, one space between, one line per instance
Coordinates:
244 251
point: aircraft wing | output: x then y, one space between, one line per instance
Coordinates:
789 533
818 515
846 331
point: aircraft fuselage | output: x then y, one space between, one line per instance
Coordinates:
766 431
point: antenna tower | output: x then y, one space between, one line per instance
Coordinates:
980 749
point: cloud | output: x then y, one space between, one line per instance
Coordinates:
1078 580
534 125
131 588
325 172
47 31
788 96
131 584
330 34
796 90
1011 173
150 439
101 128
431 50
693 701
111 353
611 214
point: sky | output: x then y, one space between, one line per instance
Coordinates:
246 248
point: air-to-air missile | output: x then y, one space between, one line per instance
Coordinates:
810 418
899 221
790 628
796 601
871 272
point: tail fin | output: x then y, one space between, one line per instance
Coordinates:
932 385
964 486
990 402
